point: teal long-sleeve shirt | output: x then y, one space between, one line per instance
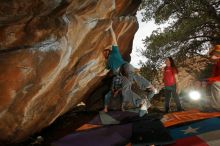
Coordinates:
115 59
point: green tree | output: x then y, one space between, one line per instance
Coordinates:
192 27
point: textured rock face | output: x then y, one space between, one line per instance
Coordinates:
51 57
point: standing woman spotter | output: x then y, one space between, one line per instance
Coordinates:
170 78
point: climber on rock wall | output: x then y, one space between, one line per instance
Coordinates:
116 64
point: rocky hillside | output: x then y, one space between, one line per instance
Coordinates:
51 57
191 70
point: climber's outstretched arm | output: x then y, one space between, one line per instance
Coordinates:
113 36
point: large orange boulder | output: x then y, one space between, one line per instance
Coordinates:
51 57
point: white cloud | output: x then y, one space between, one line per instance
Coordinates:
145 29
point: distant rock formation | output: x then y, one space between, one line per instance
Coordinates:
191 70
51 57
